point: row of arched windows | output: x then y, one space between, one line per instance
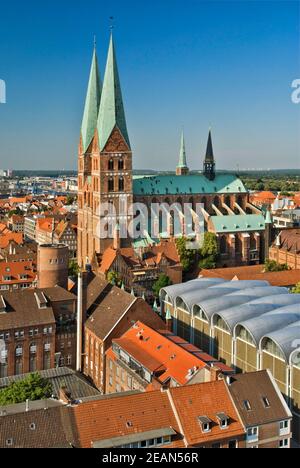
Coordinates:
111 165
120 185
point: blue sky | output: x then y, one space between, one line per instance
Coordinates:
192 63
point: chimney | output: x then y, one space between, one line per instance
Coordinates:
79 322
278 241
215 373
117 238
65 396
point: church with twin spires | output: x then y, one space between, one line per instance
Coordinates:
105 175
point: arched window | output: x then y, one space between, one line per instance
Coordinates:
228 201
111 185
121 184
217 202
223 245
253 243
121 164
19 360
32 357
238 245
203 201
111 165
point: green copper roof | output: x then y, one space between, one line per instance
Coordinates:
209 157
182 155
92 103
111 112
168 315
187 184
269 219
238 223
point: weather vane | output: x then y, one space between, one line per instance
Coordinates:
111 18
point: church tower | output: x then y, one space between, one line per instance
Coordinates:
182 168
88 141
107 182
209 166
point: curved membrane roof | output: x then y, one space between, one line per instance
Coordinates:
256 308
263 310
217 304
195 296
198 284
287 339
269 322
295 357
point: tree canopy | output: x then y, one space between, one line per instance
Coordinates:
272 266
209 252
32 388
296 289
162 282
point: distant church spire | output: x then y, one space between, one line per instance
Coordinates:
209 162
182 168
92 104
111 113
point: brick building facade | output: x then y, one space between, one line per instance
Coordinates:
33 325
105 176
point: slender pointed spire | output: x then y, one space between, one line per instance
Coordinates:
111 113
182 155
92 103
209 150
209 165
182 167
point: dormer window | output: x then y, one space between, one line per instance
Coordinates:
223 420
266 402
247 405
205 424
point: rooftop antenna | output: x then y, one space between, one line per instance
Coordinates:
95 41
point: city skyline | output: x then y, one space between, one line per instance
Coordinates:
242 69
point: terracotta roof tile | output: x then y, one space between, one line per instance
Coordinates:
209 399
121 416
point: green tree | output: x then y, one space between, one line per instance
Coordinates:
70 200
210 245
272 266
296 289
187 256
114 278
73 268
162 282
209 252
32 388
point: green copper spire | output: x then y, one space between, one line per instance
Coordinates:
182 156
268 218
111 113
168 315
92 104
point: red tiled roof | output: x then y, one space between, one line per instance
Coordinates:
282 278
15 270
122 416
9 236
205 400
159 354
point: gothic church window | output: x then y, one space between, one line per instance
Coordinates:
111 185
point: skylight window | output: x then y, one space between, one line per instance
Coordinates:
247 405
